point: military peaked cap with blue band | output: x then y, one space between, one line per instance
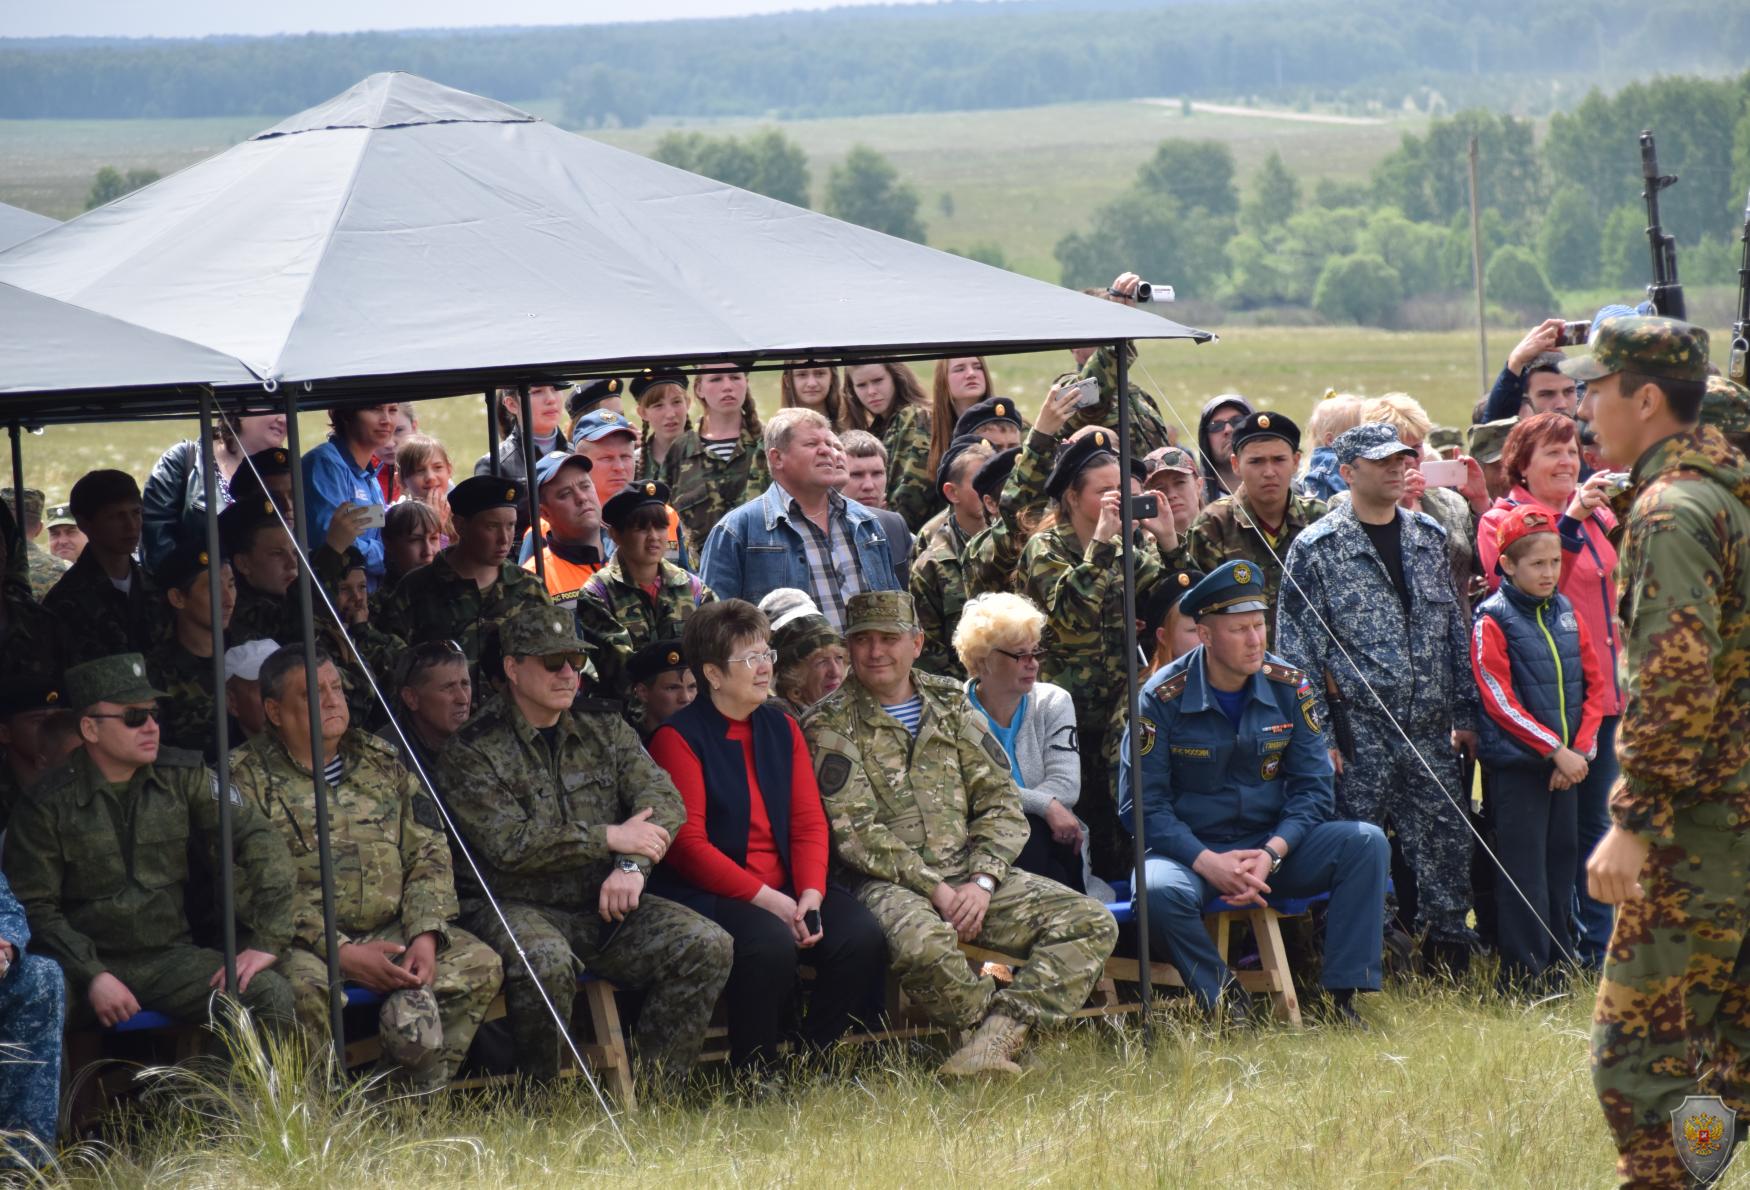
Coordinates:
1232 587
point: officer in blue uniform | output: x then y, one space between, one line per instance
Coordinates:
1237 802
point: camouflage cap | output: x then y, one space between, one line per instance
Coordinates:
1661 347
58 515
1488 441
120 678
880 611
411 1031
33 503
1445 437
1371 440
539 631
1725 406
1166 461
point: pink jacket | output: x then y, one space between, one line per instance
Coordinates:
1588 580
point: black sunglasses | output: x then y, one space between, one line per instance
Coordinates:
554 662
132 717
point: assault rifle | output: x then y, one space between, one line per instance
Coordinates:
1666 291
1738 364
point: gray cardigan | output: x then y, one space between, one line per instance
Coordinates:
1045 749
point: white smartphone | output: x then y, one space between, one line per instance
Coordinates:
1087 393
373 516
1444 473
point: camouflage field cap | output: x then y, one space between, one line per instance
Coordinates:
1488 441
1648 345
120 678
1726 406
33 503
58 515
410 1029
539 631
1167 461
1445 437
880 611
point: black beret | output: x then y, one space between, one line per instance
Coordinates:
1079 454
237 524
994 471
1264 424
18 697
275 460
651 377
988 410
657 657
352 560
959 446
184 564
1163 597
587 396
646 494
481 492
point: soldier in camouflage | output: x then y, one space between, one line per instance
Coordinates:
1073 571
264 566
1376 576
1726 407
565 813
32 642
364 648
1259 522
910 486
720 465
937 586
25 707
45 569
926 823
990 558
637 597
394 898
100 618
1676 984
472 585
99 853
182 664
33 1005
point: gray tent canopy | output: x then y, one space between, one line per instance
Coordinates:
18 225
406 238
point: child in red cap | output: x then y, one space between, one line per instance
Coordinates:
1543 698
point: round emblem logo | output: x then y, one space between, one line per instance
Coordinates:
650 489
674 658
1242 573
1263 421
1001 412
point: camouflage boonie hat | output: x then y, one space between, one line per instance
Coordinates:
410 1029
881 611
1488 441
33 503
1650 346
1725 406
539 631
120 678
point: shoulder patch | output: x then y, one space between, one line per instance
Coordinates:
1172 687
1145 731
373 743
236 795
425 812
1286 674
994 750
835 770
179 758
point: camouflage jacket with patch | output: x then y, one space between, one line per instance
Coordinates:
436 603
915 812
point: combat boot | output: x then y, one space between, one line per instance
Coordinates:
991 1050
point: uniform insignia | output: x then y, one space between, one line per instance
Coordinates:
1145 731
650 489
1263 424
1001 412
1701 1131
1192 753
1271 766
1100 439
835 770
995 751
1310 712
425 812
1242 574
236 795
203 558
674 658
613 386
139 670
1184 579
510 493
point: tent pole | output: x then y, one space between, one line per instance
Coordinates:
216 607
531 493
324 853
492 431
17 434
1133 740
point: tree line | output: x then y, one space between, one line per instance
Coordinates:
945 57
1561 214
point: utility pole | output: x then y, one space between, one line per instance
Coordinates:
1476 268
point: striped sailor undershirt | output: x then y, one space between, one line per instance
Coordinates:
910 712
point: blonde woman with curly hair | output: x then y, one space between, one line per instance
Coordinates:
998 640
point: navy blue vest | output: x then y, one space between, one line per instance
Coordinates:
727 799
1538 635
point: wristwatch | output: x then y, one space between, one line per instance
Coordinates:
630 866
988 884
1275 860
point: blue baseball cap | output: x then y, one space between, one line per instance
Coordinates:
548 465
598 424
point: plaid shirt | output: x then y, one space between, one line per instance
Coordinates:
833 569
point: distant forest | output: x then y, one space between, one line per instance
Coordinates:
1438 55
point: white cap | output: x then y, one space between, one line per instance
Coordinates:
244 661
784 604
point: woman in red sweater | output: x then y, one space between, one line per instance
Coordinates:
752 854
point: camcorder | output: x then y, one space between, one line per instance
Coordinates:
1146 292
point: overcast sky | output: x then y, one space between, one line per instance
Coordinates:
195 18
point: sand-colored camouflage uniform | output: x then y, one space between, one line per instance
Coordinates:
703 488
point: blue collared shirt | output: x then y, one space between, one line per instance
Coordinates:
1207 785
331 479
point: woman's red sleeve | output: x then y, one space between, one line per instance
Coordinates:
691 854
809 836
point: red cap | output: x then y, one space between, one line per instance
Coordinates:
1522 522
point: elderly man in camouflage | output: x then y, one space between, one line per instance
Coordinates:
395 899
926 822
1676 982
1369 613
565 814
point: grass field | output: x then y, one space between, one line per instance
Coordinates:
1282 368
1448 1090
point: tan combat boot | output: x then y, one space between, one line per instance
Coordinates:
991 1050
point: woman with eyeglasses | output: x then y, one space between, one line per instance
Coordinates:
998 640
752 854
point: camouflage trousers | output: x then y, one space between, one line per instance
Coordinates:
176 981
1673 1011
1065 937
1385 781
678 957
424 1032
32 1005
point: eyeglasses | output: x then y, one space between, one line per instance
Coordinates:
753 660
1036 656
1226 423
134 717
554 662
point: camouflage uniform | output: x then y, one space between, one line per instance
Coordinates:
104 875
392 882
1081 591
911 485
535 817
32 641
1673 1012
910 814
33 1002
1226 532
703 489
258 615
1148 429
1418 664
436 603
939 591
989 559
98 620
186 710
617 619
45 569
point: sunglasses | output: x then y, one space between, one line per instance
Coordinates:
134 717
554 662
1037 656
1226 423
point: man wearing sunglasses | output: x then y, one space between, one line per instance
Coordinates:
566 813
99 856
